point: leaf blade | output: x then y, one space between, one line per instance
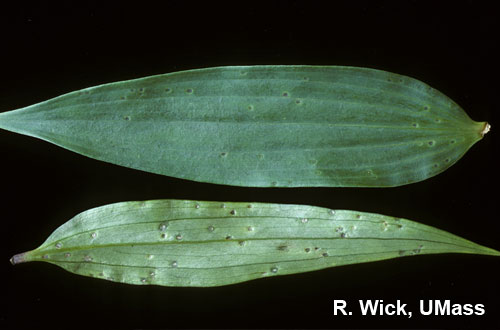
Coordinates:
262 126
195 243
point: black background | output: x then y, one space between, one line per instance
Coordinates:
48 50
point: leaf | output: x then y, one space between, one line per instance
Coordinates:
262 126
192 243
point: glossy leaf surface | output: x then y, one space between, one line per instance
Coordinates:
262 126
192 243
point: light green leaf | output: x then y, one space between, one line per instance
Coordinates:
193 243
262 126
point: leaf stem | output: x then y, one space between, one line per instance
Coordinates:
486 129
18 258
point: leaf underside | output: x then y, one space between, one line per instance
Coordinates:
196 243
262 126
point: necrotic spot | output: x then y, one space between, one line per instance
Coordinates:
282 248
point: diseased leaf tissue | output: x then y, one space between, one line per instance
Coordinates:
196 243
256 126
262 126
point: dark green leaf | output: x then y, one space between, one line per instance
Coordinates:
262 126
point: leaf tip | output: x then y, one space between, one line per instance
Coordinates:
486 129
18 258
495 253
490 251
